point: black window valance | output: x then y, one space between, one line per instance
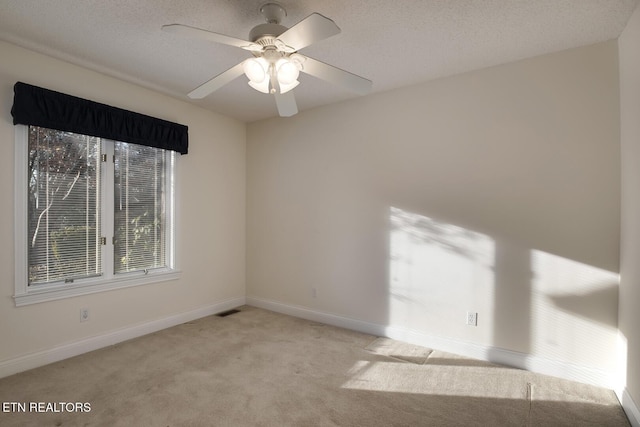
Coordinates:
37 106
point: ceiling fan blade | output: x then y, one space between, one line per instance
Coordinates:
217 82
199 33
286 103
311 29
335 75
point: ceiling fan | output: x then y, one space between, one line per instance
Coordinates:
276 63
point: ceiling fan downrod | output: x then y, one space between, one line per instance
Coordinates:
273 12
266 34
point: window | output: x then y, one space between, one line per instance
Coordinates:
140 223
94 195
64 224
99 214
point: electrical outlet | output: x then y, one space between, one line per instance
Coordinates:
314 293
84 314
472 318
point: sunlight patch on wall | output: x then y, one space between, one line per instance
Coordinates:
573 311
438 271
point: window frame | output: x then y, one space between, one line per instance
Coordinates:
25 294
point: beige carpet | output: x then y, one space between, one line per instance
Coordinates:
259 368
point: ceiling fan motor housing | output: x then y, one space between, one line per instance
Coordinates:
265 34
262 31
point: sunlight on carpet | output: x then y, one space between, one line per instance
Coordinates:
437 380
399 350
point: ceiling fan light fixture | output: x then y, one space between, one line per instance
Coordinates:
256 69
284 88
262 86
287 71
297 59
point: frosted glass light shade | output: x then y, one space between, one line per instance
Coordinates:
284 88
255 69
263 86
287 71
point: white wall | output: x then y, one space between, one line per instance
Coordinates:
629 46
495 191
210 216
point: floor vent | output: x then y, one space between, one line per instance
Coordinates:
228 313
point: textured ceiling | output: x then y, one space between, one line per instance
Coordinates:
392 43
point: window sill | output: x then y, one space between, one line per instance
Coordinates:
92 286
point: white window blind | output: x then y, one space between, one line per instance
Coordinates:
139 208
63 206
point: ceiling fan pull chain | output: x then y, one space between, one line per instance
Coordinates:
273 81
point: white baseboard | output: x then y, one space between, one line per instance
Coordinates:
531 363
55 354
630 407
317 316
